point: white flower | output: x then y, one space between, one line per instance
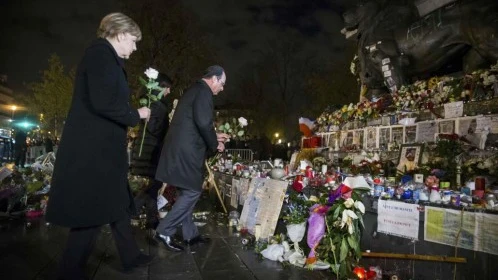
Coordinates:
359 205
349 202
242 122
151 73
347 219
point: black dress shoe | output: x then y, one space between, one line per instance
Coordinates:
141 260
169 243
197 239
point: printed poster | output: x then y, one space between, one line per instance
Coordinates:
469 230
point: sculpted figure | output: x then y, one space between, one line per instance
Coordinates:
396 45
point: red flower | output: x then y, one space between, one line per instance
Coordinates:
298 186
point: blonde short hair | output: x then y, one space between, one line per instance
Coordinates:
117 23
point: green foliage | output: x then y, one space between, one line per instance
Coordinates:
33 186
52 95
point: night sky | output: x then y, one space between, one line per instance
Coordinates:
32 30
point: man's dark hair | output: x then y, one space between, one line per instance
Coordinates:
164 81
213 70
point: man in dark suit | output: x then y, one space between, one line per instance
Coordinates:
190 136
89 183
145 163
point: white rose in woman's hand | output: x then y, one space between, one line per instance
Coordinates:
242 122
151 73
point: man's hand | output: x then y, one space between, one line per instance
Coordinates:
221 147
222 137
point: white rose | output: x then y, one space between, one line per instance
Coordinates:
349 202
151 73
359 205
242 122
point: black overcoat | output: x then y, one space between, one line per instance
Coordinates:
89 184
191 134
145 164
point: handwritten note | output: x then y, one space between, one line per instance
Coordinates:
263 204
426 131
453 110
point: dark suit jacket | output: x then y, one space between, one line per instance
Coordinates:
191 134
89 184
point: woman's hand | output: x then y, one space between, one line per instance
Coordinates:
144 112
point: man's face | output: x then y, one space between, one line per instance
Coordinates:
127 44
166 91
218 84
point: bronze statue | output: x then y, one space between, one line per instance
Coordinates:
396 45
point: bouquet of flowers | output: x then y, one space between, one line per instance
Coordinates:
235 128
341 244
150 84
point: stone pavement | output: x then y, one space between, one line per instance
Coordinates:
30 249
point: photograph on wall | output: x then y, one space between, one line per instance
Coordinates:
410 156
333 141
397 135
410 134
371 142
348 138
359 138
344 138
384 137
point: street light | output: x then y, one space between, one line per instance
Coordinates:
13 108
276 135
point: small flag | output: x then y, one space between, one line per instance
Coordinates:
306 126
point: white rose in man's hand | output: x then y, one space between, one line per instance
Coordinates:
151 73
242 122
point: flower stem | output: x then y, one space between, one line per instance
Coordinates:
333 249
145 128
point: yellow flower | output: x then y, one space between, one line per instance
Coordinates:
433 82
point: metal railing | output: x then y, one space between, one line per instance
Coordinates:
242 154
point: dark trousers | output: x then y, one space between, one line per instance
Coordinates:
20 157
148 198
80 244
181 213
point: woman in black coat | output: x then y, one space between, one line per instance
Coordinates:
145 163
89 183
